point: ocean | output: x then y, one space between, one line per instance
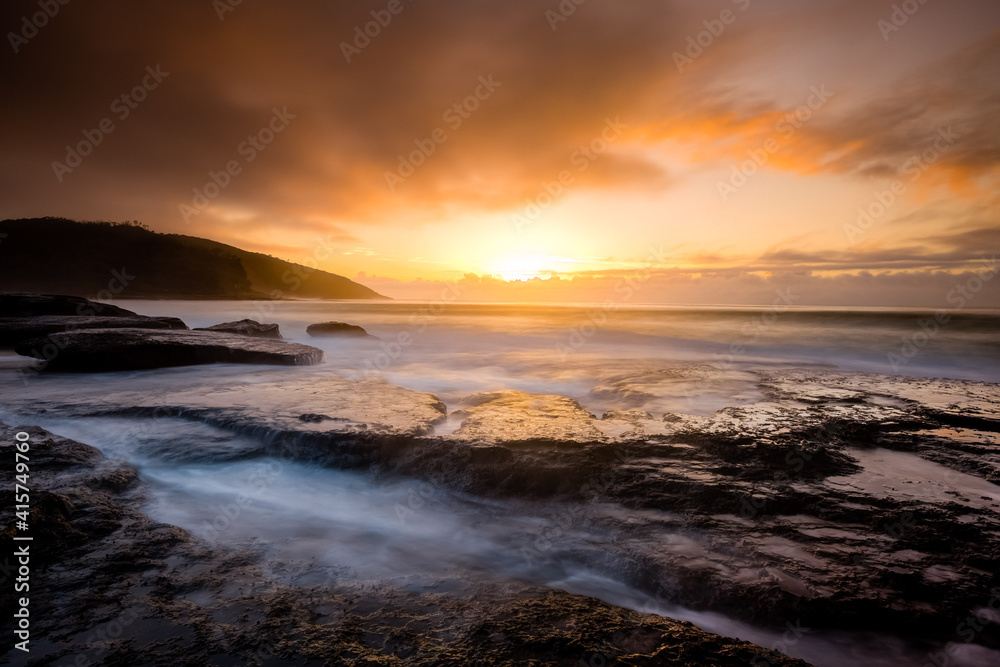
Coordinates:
317 525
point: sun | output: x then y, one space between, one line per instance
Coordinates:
522 267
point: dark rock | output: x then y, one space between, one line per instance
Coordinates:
14 330
555 628
246 328
337 329
851 506
309 410
111 570
514 416
13 304
313 418
96 350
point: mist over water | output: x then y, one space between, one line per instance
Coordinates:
778 334
453 350
318 525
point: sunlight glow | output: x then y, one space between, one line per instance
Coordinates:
525 267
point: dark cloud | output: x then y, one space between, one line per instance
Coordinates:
325 173
352 121
948 114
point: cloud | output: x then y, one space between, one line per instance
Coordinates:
912 289
325 174
352 121
947 110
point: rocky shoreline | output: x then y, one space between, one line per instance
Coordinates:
842 502
779 509
118 588
777 487
69 333
104 350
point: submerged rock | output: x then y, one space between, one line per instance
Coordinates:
320 416
515 416
869 497
246 327
124 589
337 329
97 350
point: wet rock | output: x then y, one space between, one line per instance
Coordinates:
15 330
782 497
29 316
14 304
321 416
632 416
69 507
516 417
673 388
863 502
121 588
550 628
246 327
98 350
337 329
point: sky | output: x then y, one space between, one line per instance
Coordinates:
695 151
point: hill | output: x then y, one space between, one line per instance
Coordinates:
55 255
